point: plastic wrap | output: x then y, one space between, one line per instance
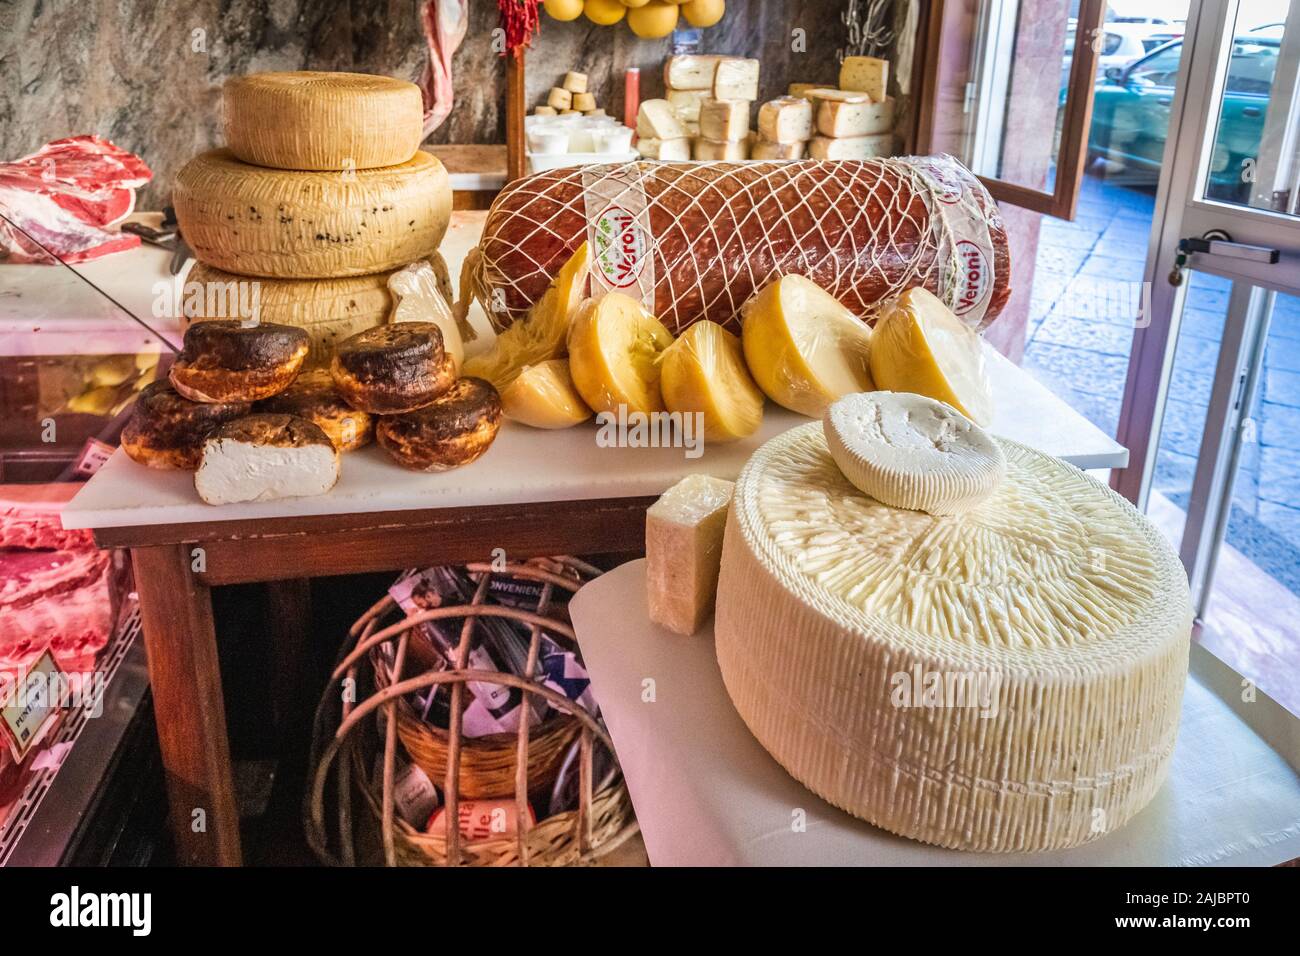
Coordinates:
803 347
418 298
703 372
695 240
544 396
615 348
920 346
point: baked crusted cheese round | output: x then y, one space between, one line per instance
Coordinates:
314 120
1004 679
254 221
911 451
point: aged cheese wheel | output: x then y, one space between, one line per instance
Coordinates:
254 221
910 451
314 396
263 457
393 368
1004 679
317 121
167 430
453 430
226 361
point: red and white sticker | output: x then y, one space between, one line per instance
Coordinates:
620 247
618 232
974 277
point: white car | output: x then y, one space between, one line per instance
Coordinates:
1121 44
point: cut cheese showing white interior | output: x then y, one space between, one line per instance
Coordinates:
1006 679
263 222
615 349
683 550
788 119
667 150
920 346
910 451
690 71
415 290
544 396
762 149
736 79
724 120
322 121
878 146
866 73
704 373
803 347
542 334
687 103
840 119
658 120
266 456
720 150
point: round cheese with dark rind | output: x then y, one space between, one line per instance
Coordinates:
227 361
167 430
313 396
457 428
392 369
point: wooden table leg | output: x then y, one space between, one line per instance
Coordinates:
181 641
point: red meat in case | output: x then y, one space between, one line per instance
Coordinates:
67 195
62 600
696 240
29 517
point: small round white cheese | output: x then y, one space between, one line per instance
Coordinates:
909 451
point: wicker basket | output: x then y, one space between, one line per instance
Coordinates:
500 766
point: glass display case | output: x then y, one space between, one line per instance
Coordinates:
72 361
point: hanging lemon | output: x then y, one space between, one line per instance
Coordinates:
563 9
604 12
703 13
656 19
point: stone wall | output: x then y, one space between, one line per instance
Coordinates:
148 75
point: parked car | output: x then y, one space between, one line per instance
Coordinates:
1121 44
1130 112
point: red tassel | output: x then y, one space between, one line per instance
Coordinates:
520 21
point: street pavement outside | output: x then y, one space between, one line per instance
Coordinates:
1086 293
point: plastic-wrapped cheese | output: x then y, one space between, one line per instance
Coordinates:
1004 679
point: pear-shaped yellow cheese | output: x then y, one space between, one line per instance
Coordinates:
544 396
704 371
542 334
615 346
803 347
920 346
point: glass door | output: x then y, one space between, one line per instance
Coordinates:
1211 411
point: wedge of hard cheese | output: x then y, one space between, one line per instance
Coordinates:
659 120
724 120
856 147
868 74
788 119
683 550
666 150
840 119
736 79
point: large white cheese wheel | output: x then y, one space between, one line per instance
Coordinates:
296 225
311 120
836 613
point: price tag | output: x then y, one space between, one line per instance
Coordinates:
31 707
92 458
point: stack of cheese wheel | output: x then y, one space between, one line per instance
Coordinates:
322 192
1007 677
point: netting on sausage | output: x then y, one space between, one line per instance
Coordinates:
696 240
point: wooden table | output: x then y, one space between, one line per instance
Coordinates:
533 493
